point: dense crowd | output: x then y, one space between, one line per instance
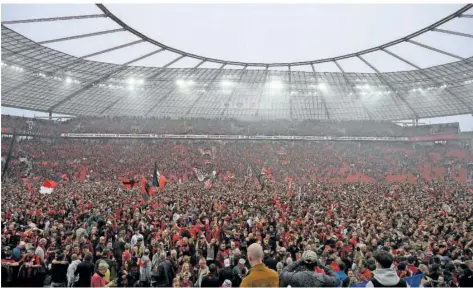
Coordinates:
186 235
125 125
345 214
322 161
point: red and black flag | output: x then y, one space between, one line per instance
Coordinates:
144 189
128 183
158 179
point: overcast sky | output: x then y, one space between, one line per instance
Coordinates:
256 33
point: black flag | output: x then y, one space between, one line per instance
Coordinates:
155 175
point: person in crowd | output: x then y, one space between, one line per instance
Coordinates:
28 265
239 272
58 270
269 261
302 273
202 272
163 272
226 273
466 279
211 279
385 275
259 275
17 252
72 277
84 271
98 279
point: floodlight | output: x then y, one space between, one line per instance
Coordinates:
68 80
321 86
140 81
226 83
276 84
180 82
190 82
131 81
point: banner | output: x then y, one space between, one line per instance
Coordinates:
433 138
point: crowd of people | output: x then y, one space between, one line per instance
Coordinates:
101 234
330 214
322 161
126 125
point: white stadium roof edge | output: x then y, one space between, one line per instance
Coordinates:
36 77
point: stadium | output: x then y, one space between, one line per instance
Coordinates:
233 173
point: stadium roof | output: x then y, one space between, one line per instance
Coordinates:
37 77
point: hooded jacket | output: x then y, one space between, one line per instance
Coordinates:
386 277
145 268
164 275
307 278
71 270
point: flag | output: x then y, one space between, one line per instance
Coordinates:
128 183
199 174
162 181
262 180
47 187
144 189
289 187
158 180
155 175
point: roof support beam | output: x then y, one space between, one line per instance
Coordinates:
435 49
75 61
433 80
466 16
103 78
370 116
290 92
323 96
380 76
174 61
210 86
81 36
452 32
242 73
54 19
262 89
111 49
302 63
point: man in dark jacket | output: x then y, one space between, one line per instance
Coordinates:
211 280
466 280
269 261
226 273
302 274
162 272
85 270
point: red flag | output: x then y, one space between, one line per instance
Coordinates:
143 184
162 182
289 187
47 187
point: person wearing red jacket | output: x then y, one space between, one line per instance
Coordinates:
222 254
